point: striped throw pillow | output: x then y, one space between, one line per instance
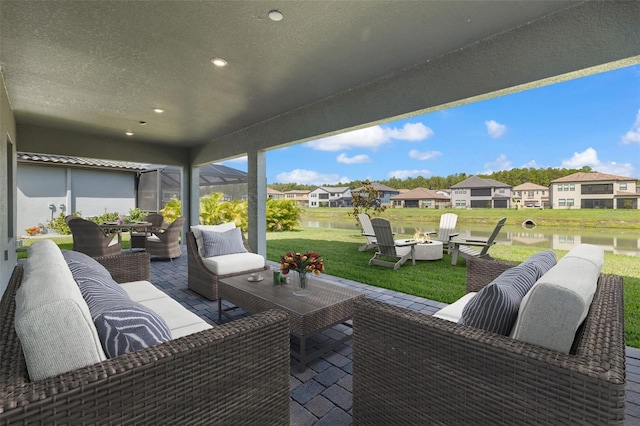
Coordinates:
123 325
221 243
495 307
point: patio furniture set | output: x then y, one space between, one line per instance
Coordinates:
563 363
393 253
90 238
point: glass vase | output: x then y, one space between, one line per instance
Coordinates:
303 289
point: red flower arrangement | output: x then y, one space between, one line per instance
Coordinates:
301 263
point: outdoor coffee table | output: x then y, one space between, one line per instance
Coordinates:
328 305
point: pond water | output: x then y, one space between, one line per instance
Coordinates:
618 241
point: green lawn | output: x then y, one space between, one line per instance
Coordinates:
436 280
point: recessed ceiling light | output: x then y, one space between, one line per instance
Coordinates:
219 62
158 110
275 15
129 133
142 123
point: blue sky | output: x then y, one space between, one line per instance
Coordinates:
592 121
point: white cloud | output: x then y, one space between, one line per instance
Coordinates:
371 137
589 157
427 155
633 135
310 177
242 159
403 174
411 132
495 129
532 165
356 159
500 163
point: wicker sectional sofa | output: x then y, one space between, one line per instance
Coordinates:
413 368
237 373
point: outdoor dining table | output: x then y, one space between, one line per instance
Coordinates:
126 226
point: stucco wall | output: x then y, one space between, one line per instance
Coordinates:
7 188
90 192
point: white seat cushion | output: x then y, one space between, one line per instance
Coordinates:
52 320
551 312
233 263
180 320
453 312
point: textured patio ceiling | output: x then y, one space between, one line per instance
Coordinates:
100 68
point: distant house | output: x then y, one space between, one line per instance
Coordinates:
330 197
300 196
531 195
476 192
385 193
421 197
51 184
275 194
594 191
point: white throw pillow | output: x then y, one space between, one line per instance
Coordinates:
215 228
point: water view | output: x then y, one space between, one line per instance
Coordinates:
618 241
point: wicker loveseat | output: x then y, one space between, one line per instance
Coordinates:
413 368
237 373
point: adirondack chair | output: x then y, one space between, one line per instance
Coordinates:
367 232
468 248
388 253
446 231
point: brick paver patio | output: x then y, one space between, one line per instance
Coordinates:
322 394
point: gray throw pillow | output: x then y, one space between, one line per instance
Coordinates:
495 307
221 243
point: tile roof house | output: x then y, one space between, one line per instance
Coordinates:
276 195
594 191
327 196
476 192
385 193
300 196
421 197
530 195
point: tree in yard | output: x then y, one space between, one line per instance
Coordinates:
366 200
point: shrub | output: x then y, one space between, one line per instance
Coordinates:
282 215
59 225
172 210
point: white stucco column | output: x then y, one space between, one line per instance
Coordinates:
257 199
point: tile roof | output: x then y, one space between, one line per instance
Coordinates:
476 182
420 194
627 194
591 177
26 157
529 186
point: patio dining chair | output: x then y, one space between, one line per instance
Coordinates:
475 247
88 238
166 244
138 239
391 253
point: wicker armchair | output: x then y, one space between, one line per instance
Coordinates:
88 238
201 279
237 373
412 368
138 239
166 243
